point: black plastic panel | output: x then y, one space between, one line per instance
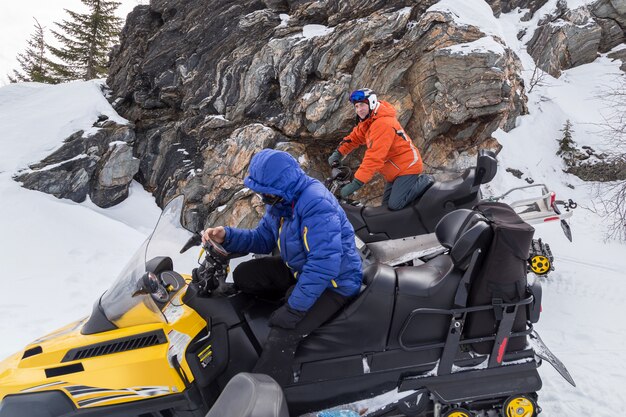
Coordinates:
64 370
123 344
39 404
32 352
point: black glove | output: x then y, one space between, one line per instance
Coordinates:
286 317
334 158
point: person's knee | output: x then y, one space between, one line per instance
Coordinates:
396 204
243 273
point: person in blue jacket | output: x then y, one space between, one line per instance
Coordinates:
319 268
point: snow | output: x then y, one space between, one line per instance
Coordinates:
470 13
284 20
59 256
484 44
574 4
312 31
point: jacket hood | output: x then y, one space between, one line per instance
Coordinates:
276 172
384 110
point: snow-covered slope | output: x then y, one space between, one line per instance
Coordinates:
57 256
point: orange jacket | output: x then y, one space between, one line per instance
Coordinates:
390 150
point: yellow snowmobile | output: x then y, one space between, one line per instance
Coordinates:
162 344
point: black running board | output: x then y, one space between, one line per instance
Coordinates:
544 353
479 384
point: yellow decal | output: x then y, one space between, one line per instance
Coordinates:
306 244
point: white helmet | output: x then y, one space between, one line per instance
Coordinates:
364 95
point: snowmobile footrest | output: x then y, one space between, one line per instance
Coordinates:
479 384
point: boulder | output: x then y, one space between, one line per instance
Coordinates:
100 165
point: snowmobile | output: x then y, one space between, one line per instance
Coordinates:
454 334
397 237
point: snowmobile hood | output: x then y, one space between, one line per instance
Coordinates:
277 173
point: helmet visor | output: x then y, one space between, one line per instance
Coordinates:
358 96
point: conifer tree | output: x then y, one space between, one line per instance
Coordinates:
85 40
567 146
34 66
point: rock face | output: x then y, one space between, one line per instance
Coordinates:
574 37
209 85
100 165
506 6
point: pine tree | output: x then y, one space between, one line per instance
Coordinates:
33 62
86 39
567 146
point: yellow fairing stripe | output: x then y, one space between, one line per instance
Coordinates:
306 244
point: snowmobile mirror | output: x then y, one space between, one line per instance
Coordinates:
195 240
148 284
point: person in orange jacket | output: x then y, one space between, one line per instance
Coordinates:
390 152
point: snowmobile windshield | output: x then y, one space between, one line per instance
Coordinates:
121 304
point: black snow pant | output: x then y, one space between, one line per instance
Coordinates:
404 189
269 277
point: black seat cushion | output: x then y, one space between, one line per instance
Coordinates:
395 224
366 319
443 197
354 215
432 286
424 280
250 395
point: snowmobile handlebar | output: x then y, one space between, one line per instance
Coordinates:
340 175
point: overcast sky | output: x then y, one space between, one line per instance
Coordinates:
17 24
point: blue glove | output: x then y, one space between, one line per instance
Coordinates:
334 159
351 188
286 317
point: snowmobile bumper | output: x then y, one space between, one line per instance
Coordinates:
57 404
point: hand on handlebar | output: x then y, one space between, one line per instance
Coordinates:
335 159
216 234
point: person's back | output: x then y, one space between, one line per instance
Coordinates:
319 268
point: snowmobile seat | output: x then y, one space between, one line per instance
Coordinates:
354 215
434 284
394 224
366 319
250 395
447 196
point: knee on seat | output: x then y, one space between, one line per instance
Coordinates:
395 204
241 272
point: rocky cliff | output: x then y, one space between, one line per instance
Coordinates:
209 86
206 85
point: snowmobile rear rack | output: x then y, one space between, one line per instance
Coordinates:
453 340
541 209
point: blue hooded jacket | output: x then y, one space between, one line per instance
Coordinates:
311 230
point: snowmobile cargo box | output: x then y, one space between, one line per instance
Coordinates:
502 277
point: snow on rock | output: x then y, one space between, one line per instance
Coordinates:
312 31
470 13
39 116
284 20
484 44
